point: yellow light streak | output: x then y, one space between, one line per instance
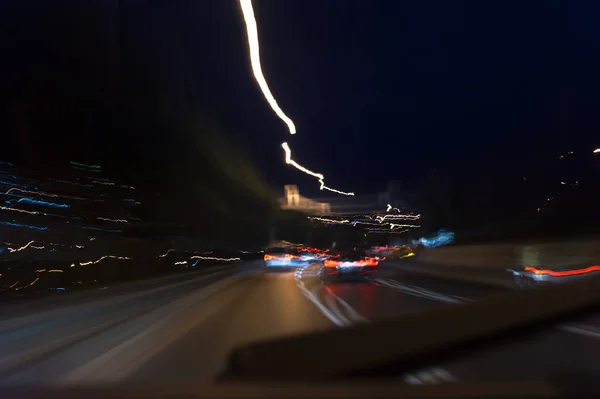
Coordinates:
6 208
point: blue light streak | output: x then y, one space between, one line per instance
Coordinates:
24 225
43 203
97 178
12 184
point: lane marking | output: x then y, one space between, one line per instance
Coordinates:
417 291
326 312
11 323
352 313
106 366
336 318
583 330
332 304
333 313
586 331
434 375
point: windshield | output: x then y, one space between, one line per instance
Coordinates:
179 179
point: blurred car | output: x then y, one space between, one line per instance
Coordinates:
285 256
349 264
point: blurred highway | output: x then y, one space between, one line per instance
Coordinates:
181 328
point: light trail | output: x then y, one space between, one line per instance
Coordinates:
27 226
290 161
254 50
252 33
113 220
93 262
9 191
390 208
398 217
325 220
24 247
42 203
214 258
597 150
166 253
6 208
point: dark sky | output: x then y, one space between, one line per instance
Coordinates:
383 90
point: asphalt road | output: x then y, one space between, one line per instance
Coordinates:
181 328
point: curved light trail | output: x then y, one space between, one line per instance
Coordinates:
252 32
254 49
290 161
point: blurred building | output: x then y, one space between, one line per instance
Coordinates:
293 200
59 213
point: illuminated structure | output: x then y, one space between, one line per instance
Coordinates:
293 200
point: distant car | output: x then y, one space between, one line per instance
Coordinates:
349 264
281 256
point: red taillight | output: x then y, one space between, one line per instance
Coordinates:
268 257
331 263
370 262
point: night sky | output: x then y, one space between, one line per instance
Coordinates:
379 90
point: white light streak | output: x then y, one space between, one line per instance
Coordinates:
213 258
397 217
328 220
384 231
24 247
252 32
106 183
93 262
389 208
166 253
254 50
113 220
597 150
290 161
183 262
393 226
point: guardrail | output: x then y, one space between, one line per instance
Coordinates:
548 255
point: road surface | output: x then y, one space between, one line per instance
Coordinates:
181 328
